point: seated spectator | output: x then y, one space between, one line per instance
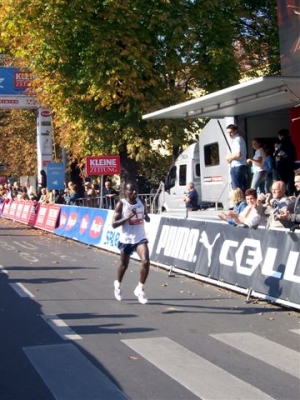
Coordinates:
2 195
5 188
33 196
43 197
30 190
275 204
50 196
58 197
251 216
238 203
109 195
191 198
294 215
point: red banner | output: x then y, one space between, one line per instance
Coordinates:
103 165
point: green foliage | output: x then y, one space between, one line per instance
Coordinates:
100 64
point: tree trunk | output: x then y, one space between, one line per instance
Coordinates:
128 171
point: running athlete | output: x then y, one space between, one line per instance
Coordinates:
130 213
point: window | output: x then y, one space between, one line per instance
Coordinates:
182 175
211 154
197 170
171 179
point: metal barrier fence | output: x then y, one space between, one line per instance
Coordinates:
108 203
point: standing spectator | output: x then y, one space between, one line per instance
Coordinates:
74 195
276 159
96 186
269 167
109 195
130 214
24 194
237 159
90 195
191 198
258 166
285 155
16 192
43 182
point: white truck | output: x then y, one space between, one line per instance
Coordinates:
202 163
259 108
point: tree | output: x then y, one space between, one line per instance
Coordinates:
101 64
18 142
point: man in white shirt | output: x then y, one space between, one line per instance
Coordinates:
237 159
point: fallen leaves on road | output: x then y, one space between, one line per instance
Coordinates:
134 358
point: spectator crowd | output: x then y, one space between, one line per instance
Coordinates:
273 198
70 195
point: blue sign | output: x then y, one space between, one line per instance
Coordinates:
13 81
55 176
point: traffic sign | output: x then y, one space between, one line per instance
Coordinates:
55 176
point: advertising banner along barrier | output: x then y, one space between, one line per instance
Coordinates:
265 261
82 224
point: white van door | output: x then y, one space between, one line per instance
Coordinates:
215 173
186 169
175 187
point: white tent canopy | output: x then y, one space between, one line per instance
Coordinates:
263 94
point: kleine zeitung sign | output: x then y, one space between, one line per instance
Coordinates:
103 165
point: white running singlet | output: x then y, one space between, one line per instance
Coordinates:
133 231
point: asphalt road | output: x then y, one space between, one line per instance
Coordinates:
65 337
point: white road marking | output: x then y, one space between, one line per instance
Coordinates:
26 245
198 375
295 331
272 353
28 257
21 290
61 327
70 375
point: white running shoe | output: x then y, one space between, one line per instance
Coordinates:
118 292
140 294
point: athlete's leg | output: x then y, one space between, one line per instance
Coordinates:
124 262
143 252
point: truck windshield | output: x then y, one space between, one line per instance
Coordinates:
171 178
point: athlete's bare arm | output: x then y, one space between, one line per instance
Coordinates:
117 217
